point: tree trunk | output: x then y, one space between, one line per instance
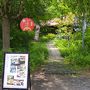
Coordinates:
6 33
83 30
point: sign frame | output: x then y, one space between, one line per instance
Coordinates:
16 73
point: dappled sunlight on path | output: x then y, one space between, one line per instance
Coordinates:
59 82
48 82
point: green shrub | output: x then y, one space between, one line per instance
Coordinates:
75 54
38 54
50 36
44 39
47 37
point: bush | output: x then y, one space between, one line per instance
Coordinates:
44 39
47 37
38 54
75 54
50 36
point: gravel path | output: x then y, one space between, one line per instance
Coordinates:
57 76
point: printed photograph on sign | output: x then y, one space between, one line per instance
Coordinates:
15 70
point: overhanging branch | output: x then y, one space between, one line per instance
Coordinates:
6 9
20 10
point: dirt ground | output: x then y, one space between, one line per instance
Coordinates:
41 81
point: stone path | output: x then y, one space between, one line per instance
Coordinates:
57 76
54 54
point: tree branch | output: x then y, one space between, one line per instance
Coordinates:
1 13
3 7
6 8
9 5
20 10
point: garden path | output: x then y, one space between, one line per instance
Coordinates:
57 76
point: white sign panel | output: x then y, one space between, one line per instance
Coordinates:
16 70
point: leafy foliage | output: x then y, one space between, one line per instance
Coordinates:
57 9
35 9
20 39
78 6
38 54
75 54
48 37
11 8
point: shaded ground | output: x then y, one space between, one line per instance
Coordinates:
57 76
58 82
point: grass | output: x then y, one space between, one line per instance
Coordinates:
38 54
74 54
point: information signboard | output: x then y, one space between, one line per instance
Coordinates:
15 71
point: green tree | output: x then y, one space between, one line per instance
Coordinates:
57 8
14 9
82 9
9 9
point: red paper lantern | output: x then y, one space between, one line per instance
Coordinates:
27 24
